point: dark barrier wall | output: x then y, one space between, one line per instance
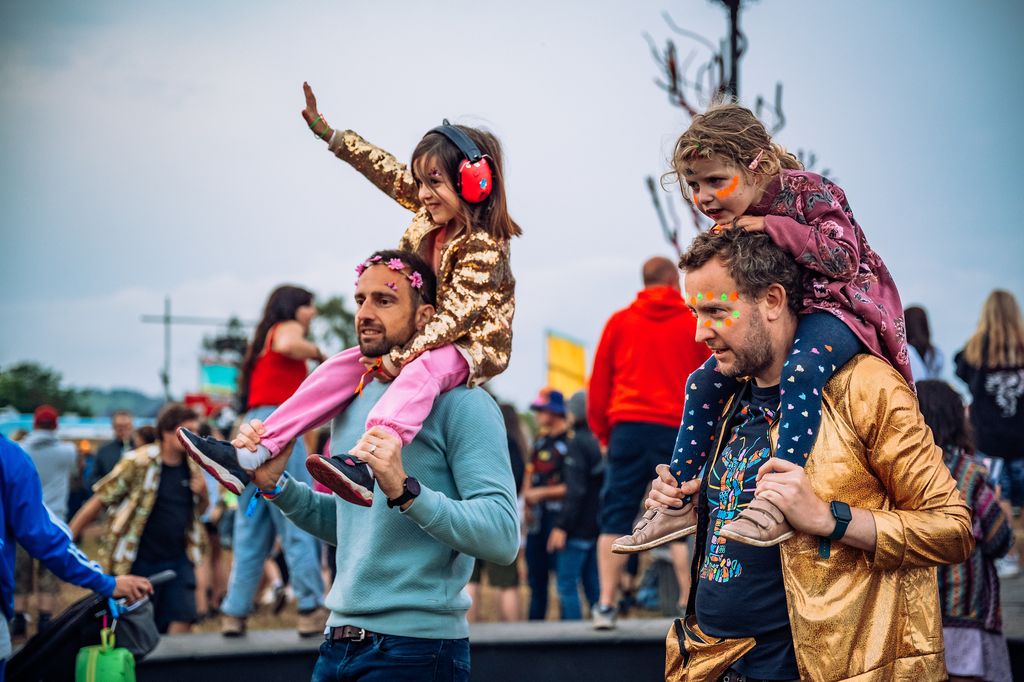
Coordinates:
536 652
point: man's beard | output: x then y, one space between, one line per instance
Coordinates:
753 355
383 345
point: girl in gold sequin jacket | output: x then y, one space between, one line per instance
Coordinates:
468 340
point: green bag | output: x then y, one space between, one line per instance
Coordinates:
104 663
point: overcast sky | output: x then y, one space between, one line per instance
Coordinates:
150 151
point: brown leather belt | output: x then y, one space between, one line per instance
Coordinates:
348 633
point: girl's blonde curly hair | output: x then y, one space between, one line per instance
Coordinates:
734 133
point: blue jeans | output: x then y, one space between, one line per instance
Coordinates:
391 658
1011 481
254 538
539 565
577 562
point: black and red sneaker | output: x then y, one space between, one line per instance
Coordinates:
217 457
349 478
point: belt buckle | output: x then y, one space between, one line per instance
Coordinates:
361 637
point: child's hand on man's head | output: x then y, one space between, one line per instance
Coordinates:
750 223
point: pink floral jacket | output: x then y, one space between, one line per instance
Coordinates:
809 217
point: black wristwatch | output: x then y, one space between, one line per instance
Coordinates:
842 514
410 491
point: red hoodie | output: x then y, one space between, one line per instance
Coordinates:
645 355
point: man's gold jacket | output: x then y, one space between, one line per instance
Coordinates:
875 616
475 286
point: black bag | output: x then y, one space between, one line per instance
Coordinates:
136 629
50 655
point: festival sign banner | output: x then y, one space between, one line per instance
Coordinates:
217 378
567 363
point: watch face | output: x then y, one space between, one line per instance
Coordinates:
841 511
413 486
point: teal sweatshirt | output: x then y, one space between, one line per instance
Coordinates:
405 573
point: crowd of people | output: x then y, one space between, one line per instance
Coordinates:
812 470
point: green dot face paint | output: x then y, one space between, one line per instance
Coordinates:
712 297
701 296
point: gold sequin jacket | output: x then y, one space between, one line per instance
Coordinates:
475 286
129 493
857 615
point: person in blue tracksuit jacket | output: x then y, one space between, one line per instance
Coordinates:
26 521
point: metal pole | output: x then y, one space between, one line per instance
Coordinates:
734 46
168 320
166 374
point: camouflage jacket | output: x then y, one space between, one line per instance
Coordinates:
129 493
475 287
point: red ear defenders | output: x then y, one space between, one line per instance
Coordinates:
474 181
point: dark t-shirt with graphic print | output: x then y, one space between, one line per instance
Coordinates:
740 592
546 463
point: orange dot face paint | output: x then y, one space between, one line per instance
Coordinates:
708 296
729 189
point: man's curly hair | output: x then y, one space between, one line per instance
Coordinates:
753 260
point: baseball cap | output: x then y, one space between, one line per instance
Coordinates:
45 417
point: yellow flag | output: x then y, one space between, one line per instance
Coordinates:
567 364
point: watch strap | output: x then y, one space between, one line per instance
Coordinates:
842 522
842 519
404 497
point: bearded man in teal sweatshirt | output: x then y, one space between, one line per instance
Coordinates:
398 604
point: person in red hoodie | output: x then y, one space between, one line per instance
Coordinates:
636 405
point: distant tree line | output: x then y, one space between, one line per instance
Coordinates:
25 386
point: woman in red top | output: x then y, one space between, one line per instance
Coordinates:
275 363
274 366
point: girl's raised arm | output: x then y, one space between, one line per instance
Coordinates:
378 166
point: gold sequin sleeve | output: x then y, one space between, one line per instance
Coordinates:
467 290
928 522
380 167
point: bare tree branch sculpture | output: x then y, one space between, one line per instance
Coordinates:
710 80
